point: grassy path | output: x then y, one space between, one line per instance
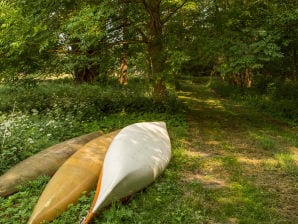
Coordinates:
244 166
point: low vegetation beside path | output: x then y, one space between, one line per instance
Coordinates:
230 164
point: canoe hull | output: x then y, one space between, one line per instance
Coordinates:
135 158
77 175
45 162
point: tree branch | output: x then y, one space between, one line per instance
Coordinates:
127 42
132 1
174 12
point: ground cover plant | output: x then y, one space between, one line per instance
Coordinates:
230 163
38 116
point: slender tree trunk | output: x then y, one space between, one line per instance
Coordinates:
123 79
295 64
243 79
248 78
82 75
123 70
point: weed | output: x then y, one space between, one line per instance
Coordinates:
266 142
287 163
18 207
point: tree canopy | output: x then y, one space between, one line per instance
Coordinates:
160 39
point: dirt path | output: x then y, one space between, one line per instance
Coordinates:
246 162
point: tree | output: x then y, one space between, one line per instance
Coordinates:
236 39
154 37
21 41
233 38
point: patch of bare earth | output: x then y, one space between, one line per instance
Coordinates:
220 130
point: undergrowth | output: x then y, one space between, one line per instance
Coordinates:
275 97
33 118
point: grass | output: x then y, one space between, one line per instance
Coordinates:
248 160
230 163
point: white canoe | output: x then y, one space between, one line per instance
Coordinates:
46 162
135 158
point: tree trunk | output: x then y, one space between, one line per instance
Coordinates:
295 64
123 79
243 79
155 48
82 75
123 70
248 77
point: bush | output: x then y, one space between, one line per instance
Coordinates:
286 90
32 119
277 98
83 100
224 89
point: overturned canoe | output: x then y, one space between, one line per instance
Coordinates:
137 155
45 162
77 175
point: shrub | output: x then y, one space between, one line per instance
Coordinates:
32 119
279 99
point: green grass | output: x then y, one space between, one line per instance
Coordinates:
247 161
230 163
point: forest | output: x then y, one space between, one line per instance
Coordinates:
222 75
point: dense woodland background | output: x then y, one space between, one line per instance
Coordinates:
245 42
221 73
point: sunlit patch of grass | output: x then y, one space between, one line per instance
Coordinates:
247 203
238 200
234 202
214 104
208 181
288 163
228 147
266 142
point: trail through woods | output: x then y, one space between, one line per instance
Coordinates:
246 161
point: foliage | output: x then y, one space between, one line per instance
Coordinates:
275 97
231 37
35 117
88 38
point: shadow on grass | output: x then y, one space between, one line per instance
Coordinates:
245 165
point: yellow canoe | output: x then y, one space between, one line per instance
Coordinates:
77 175
45 162
135 158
